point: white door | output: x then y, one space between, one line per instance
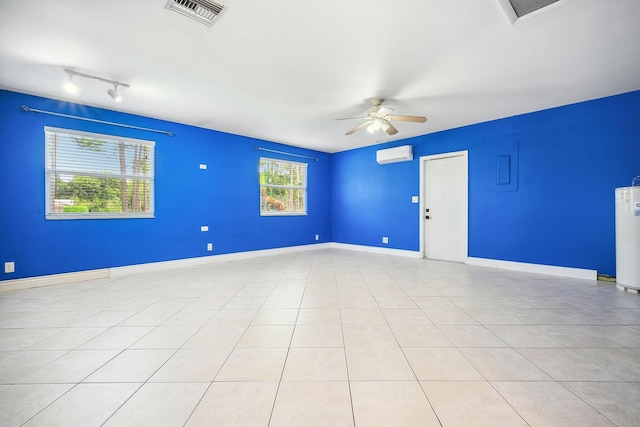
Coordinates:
444 206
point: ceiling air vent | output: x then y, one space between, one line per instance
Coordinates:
524 7
516 9
202 11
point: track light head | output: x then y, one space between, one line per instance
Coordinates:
70 86
113 93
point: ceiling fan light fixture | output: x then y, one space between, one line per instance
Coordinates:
380 118
375 125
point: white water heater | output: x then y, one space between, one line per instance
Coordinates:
628 238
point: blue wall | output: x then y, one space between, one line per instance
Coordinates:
560 212
225 196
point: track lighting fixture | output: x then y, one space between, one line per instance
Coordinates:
114 93
72 88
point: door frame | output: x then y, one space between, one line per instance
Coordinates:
423 165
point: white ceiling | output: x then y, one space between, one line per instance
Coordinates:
283 70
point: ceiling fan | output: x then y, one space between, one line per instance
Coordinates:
379 117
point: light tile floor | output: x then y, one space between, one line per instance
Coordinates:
321 338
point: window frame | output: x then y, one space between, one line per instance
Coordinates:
51 171
303 187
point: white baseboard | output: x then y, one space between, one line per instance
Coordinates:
552 270
57 279
377 250
190 262
53 279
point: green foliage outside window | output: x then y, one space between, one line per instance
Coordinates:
98 175
76 208
283 187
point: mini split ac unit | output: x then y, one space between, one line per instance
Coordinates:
395 154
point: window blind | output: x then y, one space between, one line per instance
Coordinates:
283 187
98 176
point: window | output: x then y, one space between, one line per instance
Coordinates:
98 176
283 187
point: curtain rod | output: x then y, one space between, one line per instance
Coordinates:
27 109
285 153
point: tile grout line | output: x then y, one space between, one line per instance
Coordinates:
424 392
284 365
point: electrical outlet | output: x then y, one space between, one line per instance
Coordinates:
414 199
204 228
385 240
317 237
9 267
209 247
203 166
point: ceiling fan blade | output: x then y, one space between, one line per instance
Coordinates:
388 128
417 119
360 126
